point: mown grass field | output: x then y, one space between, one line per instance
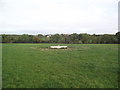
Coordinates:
79 66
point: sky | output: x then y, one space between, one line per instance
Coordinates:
58 16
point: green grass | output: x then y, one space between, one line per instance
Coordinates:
0 64
79 66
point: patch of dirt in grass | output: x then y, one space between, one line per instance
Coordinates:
115 48
84 48
46 49
68 49
33 47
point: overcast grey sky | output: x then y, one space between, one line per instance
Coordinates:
58 16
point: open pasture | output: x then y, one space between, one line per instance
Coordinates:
79 66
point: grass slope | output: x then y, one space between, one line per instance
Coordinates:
81 66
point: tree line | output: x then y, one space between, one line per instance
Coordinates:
74 38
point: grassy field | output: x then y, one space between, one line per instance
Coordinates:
79 66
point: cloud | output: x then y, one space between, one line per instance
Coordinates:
58 16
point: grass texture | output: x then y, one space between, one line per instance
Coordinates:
79 66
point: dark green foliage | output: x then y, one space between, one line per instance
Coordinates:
118 36
63 38
55 38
